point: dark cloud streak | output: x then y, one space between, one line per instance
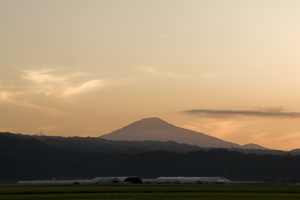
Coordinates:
255 113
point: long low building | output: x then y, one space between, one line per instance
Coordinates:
132 180
188 180
110 180
97 180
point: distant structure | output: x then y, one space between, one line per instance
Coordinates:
132 180
189 180
97 180
120 180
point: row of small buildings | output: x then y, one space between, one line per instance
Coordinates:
132 180
188 180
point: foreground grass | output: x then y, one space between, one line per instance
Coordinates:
150 192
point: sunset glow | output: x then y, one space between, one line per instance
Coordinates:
229 69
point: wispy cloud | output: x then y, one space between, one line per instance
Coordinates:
44 83
17 99
6 96
256 113
85 87
45 76
37 107
42 76
153 70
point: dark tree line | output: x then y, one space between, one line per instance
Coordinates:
26 158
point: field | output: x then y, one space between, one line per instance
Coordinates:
149 192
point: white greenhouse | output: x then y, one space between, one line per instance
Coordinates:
193 180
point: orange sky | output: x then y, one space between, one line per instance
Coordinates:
229 69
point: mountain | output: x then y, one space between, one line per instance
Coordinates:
253 146
155 129
294 152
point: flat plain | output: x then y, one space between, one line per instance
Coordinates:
151 191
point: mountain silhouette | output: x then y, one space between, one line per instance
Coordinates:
253 146
155 129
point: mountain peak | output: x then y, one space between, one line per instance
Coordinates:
142 127
151 119
156 129
150 122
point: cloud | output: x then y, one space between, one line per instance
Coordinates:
47 83
153 70
6 96
37 107
85 87
17 99
36 85
254 113
44 76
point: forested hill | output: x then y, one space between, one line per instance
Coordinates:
27 158
100 145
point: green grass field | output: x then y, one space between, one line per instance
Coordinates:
150 192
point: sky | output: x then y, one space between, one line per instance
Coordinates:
229 69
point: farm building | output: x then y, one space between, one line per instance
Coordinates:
189 180
110 180
105 180
132 180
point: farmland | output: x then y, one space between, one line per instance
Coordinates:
149 192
